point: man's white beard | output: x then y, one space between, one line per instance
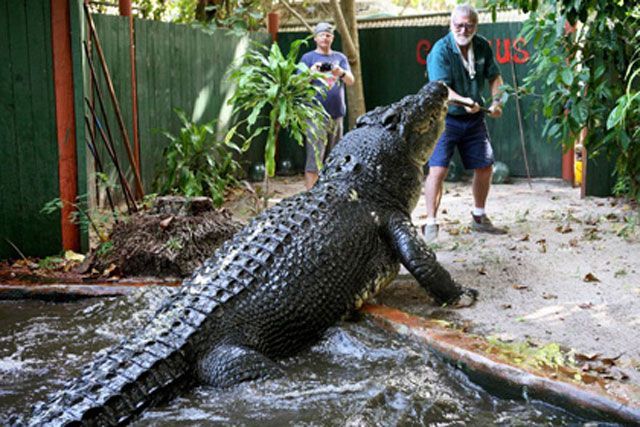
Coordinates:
463 40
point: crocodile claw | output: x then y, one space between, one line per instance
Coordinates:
467 298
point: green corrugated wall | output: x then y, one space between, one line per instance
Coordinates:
393 66
29 169
177 67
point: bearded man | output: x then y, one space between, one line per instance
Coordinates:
464 60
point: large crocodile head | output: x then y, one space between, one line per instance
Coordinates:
423 120
383 157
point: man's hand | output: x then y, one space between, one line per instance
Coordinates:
337 71
495 110
471 106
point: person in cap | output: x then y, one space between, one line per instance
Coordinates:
464 60
335 67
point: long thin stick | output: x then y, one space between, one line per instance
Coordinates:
98 91
128 196
16 248
116 105
464 104
91 142
520 127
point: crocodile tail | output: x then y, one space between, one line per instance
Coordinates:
120 384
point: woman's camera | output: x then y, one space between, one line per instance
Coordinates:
325 66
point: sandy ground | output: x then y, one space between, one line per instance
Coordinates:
568 271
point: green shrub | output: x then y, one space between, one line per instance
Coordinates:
197 163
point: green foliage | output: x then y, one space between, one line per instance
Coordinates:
587 78
50 262
238 16
183 11
94 219
278 90
197 163
104 248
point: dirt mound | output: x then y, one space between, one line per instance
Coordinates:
171 239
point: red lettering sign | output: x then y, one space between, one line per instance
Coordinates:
505 50
504 56
422 50
521 55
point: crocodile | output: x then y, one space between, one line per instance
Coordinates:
276 286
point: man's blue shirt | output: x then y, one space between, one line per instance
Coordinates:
445 63
334 103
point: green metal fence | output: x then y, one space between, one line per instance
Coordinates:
177 67
29 170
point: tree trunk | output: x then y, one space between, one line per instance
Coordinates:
344 13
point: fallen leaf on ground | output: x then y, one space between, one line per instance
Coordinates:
482 271
610 361
519 286
586 357
165 222
107 271
453 231
616 374
72 256
566 228
588 379
590 277
524 238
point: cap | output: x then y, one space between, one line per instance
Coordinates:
323 27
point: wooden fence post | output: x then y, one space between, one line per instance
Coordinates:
65 120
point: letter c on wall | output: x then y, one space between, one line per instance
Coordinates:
422 50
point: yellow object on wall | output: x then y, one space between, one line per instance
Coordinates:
577 166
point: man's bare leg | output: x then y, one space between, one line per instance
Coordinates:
481 185
433 195
433 189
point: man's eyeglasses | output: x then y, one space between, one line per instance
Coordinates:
467 27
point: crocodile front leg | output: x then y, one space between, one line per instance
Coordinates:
421 262
228 365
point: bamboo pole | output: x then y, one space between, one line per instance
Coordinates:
129 199
116 105
520 126
131 206
91 143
